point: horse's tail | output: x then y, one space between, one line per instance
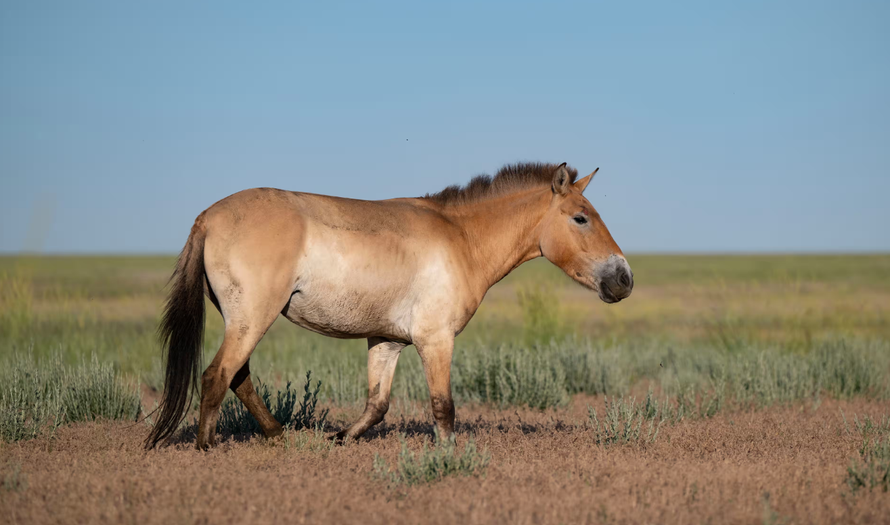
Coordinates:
182 335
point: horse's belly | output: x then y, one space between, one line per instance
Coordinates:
338 311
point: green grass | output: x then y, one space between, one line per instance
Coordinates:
706 332
871 470
541 322
30 399
313 441
432 463
623 423
235 419
842 269
95 391
509 376
38 396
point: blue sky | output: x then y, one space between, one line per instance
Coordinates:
718 126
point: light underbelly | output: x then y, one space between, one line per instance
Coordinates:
344 313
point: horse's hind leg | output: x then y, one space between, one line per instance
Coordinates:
243 388
231 357
246 322
382 358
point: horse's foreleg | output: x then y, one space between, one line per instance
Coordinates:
382 358
436 357
243 388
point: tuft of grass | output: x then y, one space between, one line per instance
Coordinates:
13 479
96 391
592 371
622 422
234 418
508 377
872 469
836 368
37 397
30 398
702 403
314 441
627 422
770 516
432 463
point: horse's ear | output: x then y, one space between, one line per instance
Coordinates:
581 185
561 180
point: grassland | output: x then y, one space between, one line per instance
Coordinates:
726 388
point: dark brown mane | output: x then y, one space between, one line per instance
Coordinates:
510 178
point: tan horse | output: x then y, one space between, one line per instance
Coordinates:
397 272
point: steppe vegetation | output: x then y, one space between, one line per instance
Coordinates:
726 388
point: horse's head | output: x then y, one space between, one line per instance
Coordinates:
574 238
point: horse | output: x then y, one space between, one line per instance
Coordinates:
395 272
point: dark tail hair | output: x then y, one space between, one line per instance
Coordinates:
182 335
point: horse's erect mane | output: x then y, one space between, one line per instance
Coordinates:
510 178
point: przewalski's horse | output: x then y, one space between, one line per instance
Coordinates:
397 272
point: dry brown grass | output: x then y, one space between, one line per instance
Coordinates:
781 465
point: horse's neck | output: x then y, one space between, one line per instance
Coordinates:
502 233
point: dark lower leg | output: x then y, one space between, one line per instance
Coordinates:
244 389
374 411
214 383
443 412
437 367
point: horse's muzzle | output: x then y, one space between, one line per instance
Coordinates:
616 280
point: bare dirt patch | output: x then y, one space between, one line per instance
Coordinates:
777 465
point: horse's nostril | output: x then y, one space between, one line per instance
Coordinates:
624 279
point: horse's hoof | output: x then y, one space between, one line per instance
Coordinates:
339 438
204 446
275 433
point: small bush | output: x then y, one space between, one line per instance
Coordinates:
623 422
314 441
432 463
835 368
591 372
30 398
772 377
872 469
95 391
702 403
38 397
844 371
518 376
234 418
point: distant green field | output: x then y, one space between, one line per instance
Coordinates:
697 310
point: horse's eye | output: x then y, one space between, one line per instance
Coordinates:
580 219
